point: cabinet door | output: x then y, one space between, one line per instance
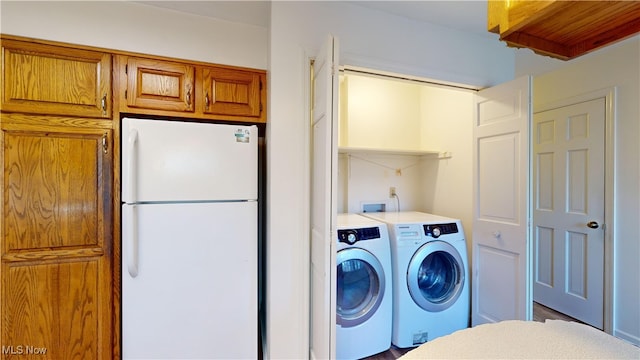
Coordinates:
160 85
52 80
56 243
232 92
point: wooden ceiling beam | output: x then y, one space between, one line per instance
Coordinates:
563 29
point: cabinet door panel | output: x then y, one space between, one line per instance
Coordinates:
56 273
52 185
43 79
231 92
161 85
53 307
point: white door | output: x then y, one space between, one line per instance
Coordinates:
195 293
501 286
166 160
568 205
323 202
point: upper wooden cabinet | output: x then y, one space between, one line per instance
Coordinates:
231 92
563 29
55 80
161 87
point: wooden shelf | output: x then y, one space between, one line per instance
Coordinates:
563 29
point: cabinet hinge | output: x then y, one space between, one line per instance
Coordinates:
260 107
260 84
105 144
126 69
125 93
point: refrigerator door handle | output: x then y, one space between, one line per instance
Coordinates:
132 240
132 236
132 166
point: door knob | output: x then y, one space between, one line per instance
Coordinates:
593 224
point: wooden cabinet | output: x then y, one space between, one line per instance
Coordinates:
59 234
56 243
231 92
563 29
160 87
54 80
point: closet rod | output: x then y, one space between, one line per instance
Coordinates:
405 78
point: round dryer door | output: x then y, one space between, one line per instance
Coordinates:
360 286
435 276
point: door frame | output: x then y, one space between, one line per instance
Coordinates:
609 95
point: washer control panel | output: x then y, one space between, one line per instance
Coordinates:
408 234
435 230
351 236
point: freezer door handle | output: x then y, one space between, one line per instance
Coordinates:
131 236
132 166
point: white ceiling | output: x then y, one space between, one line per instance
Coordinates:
464 15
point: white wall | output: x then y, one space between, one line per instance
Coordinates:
448 125
616 65
366 178
381 114
138 28
368 39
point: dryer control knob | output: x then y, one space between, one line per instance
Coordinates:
435 232
352 238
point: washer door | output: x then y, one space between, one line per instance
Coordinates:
360 285
435 276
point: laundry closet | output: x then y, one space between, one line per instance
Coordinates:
405 150
406 135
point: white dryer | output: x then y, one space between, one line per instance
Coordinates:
363 301
430 277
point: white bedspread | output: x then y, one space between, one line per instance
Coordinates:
553 339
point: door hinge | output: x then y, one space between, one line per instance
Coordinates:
105 143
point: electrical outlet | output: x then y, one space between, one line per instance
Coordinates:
392 191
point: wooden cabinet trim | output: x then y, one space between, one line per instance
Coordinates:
54 255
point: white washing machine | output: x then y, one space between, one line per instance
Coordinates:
430 278
364 290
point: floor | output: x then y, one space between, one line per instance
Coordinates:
540 313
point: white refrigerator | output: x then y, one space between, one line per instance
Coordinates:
189 240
